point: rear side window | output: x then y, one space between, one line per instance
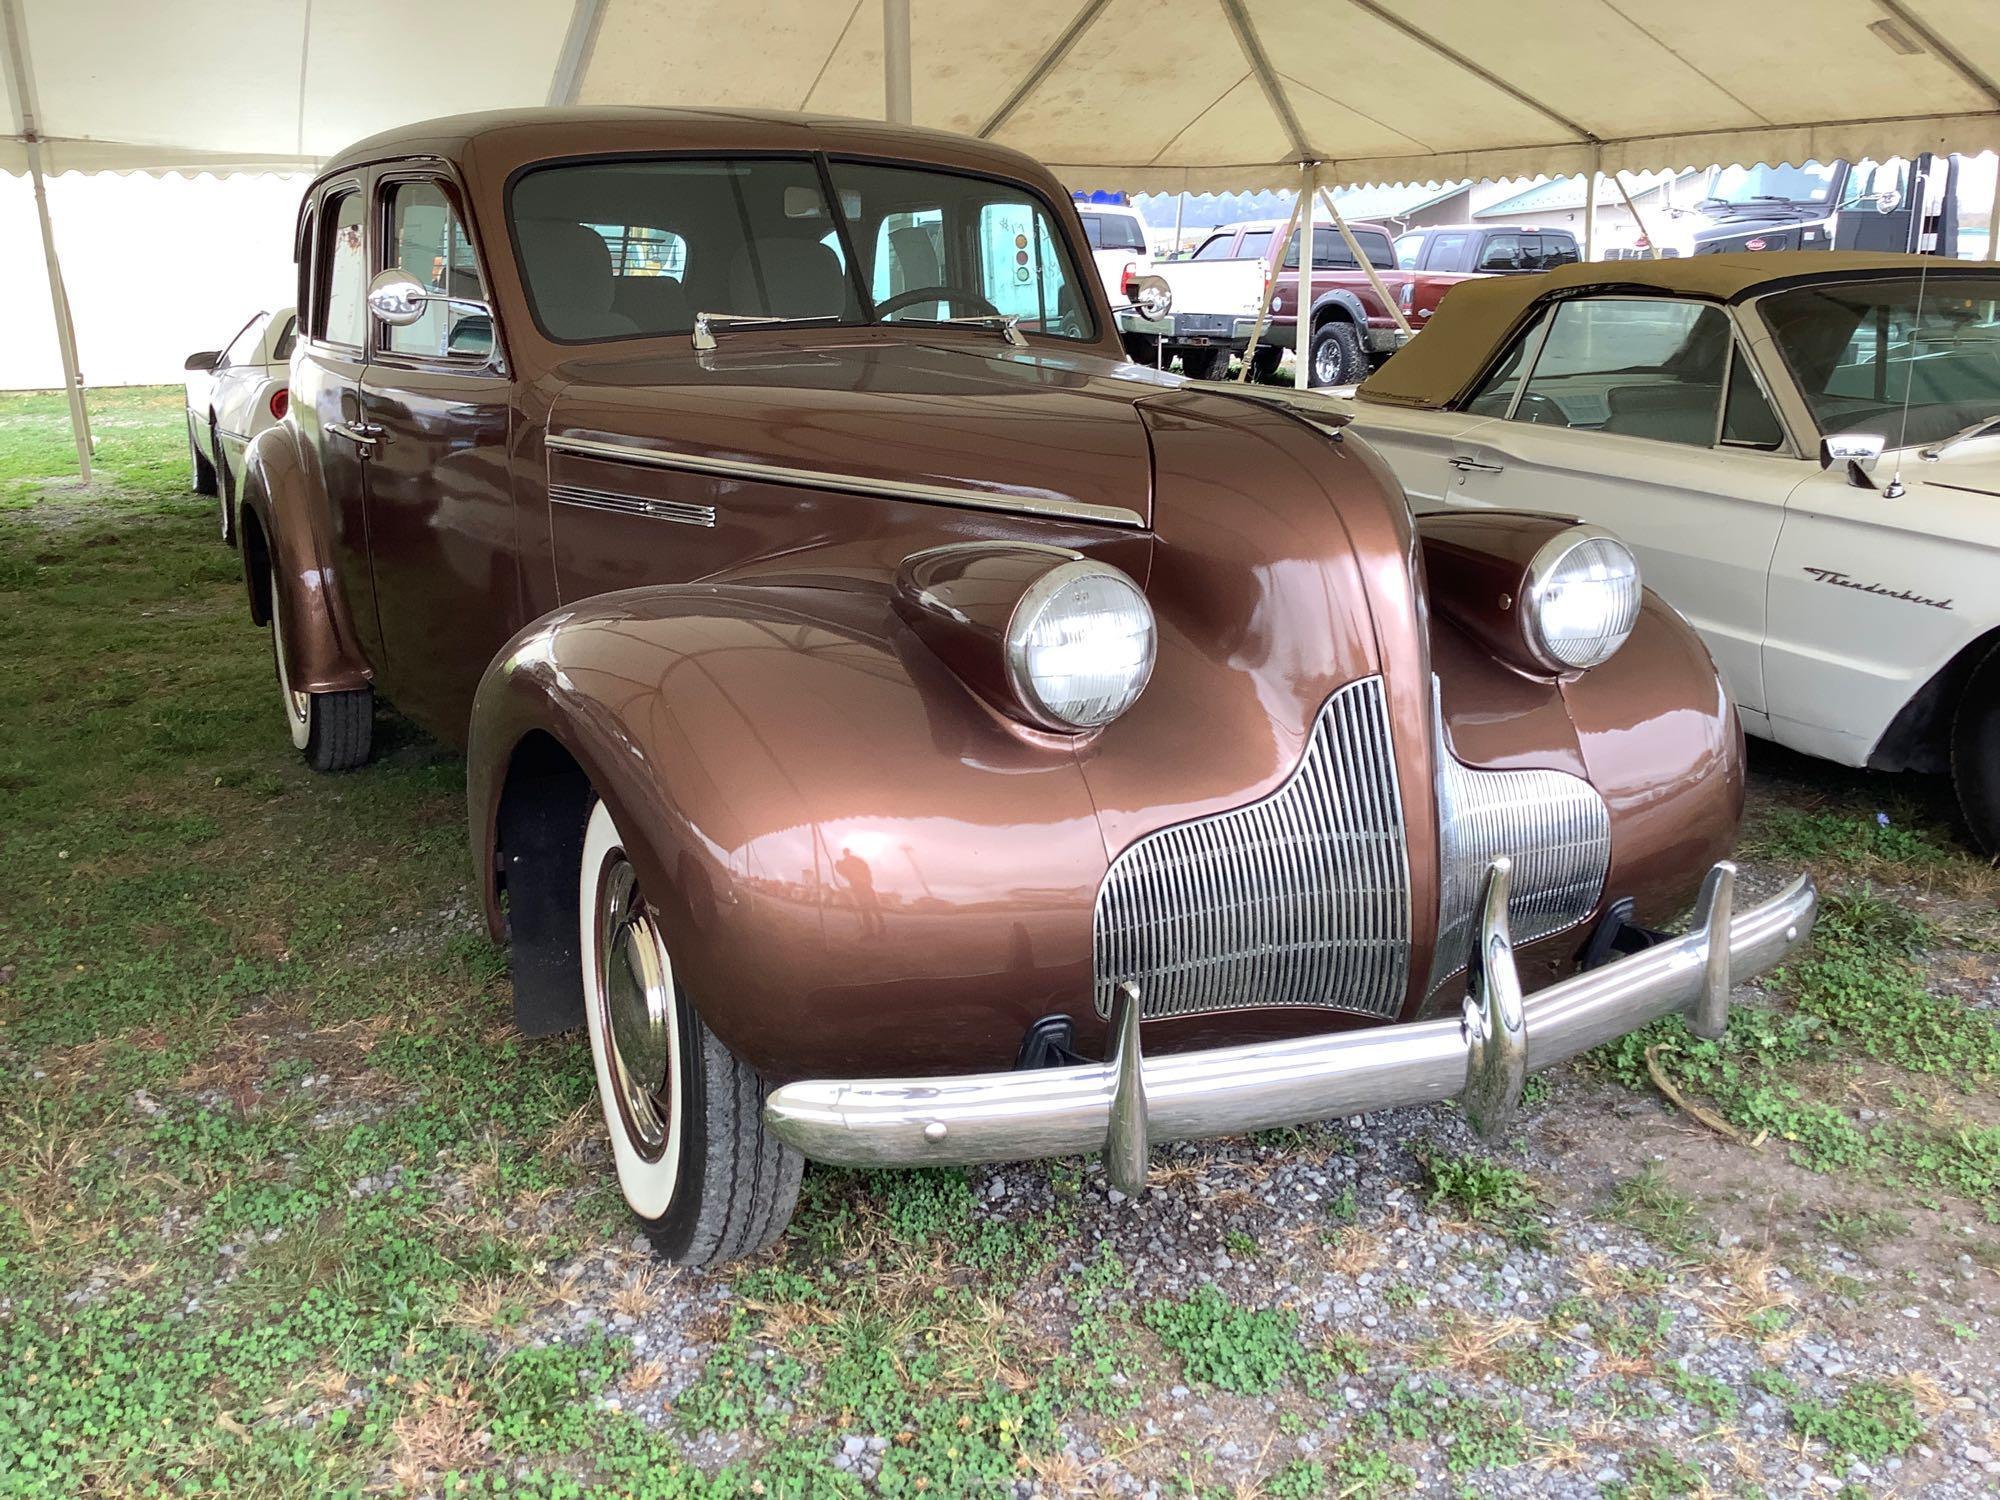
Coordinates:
1502 253
287 336
1330 252
1216 247
1558 250
344 282
1116 232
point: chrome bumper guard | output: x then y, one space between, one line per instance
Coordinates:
1128 1102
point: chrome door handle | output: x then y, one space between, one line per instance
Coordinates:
1466 465
359 433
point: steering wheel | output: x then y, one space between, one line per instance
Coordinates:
952 294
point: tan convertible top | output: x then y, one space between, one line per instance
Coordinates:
1474 320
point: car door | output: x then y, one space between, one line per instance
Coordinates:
437 406
1613 410
238 379
326 387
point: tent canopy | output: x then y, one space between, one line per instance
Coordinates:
1143 95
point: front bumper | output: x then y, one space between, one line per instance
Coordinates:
1128 1102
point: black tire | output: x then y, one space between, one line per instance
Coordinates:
1337 358
704 1177
203 480
1142 348
1204 364
333 731
1975 752
1264 363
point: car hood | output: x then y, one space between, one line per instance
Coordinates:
1972 465
962 413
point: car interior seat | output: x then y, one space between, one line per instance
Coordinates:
787 278
569 272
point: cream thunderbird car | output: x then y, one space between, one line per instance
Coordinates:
234 393
1802 448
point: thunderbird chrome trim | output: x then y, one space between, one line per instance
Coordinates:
1128 1102
848 484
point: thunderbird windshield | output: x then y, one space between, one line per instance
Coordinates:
637 248
1857 348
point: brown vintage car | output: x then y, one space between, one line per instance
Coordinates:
903 732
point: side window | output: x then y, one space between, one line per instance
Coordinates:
1408 248
287 336
1639 366
1747 418
427 240
1330 252
1558 250
242 349
1445 251
1021 272
1502 253
1496 396
1256 244
1093 230
1374 244
1215 247
344 279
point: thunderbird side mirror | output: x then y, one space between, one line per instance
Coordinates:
208 359
1860 451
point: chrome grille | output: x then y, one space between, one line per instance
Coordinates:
1302 898
1554 826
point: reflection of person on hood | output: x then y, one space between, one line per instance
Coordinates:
853 869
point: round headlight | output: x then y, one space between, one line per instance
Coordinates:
1080 645
1582 597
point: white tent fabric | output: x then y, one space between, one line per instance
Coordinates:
1143 95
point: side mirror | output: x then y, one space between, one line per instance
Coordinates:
1888 200
208 359
397 298
1153 296
1860 451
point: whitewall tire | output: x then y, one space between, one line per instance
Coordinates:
332 730
695 1163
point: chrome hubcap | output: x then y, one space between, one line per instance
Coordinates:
1326 362
634 992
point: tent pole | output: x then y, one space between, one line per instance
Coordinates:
1993 225
1590 206
896 108
25 109
1302 308
1652 245
1180 205
1367 266
1264 308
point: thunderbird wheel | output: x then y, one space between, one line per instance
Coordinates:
695 1163
332 730
1975 752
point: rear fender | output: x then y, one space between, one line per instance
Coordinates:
859 866
282 521
1340 303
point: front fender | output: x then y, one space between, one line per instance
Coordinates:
859 866
283 527
1345 302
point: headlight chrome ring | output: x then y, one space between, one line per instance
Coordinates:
1580 597
1080 646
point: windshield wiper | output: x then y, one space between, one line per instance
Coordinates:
1984 427
706 324
1009 328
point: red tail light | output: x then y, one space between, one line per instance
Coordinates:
1128 277
281 402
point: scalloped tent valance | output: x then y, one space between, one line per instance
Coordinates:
1141 95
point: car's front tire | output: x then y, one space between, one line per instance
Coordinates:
332 730
1975 752
707 1181
202 480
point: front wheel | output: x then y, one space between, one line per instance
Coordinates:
1336 354
1975 752
332 730
695 1162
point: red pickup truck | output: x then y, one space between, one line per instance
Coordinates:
1352 331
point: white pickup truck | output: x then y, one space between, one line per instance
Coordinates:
1215 305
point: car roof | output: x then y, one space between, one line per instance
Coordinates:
1479 316
1483 228
505 137
1281 223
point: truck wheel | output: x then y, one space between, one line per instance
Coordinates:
707 1181
203 480
332 730
1975 752
1204 364
1264 364
1336 354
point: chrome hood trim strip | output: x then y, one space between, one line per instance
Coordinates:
848 484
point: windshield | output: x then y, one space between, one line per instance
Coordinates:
1857 348
1811 183
636 248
